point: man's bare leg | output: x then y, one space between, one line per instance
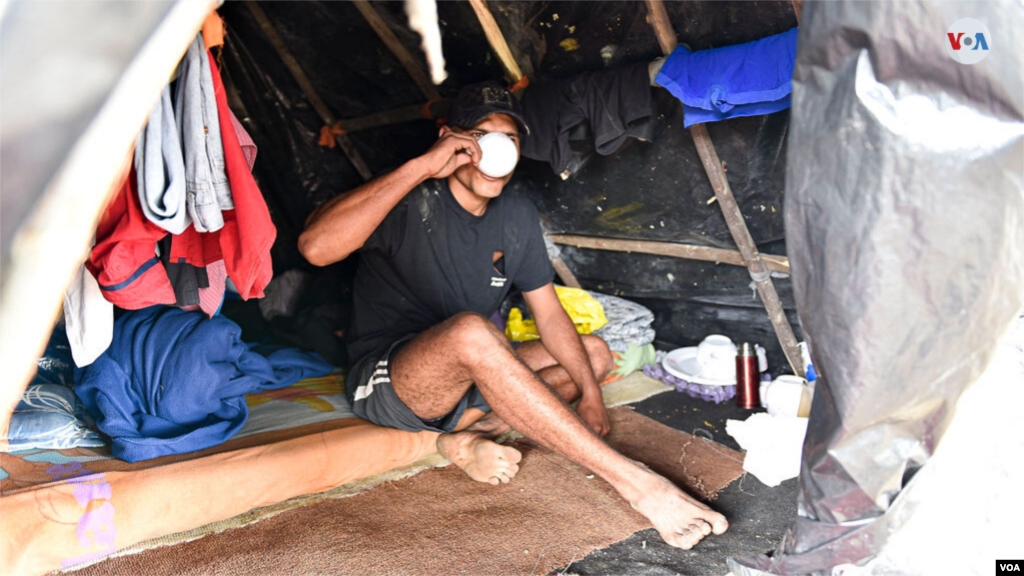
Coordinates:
433 371
537 357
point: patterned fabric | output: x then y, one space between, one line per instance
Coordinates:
49 416
628 323
211 298
716 394
245 141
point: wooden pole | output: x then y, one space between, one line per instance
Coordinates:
496 39
657 248
397 48
759 272
741 235
307 87
425 111
657 17
564 273
500 47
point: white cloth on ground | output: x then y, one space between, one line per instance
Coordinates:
774 445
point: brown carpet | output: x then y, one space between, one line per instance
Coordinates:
440 522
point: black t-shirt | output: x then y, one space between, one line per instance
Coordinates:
431 259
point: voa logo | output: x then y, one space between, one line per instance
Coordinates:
1004 567
967 41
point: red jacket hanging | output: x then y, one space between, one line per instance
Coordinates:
124 261
248 233
124 258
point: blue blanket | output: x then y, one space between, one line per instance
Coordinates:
174 381
740 80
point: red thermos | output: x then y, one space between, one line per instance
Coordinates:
747 381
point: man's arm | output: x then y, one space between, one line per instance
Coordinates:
558 334
342 225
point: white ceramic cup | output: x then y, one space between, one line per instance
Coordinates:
716 356
785 395
499 155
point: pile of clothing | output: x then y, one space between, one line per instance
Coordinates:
188 219
599 111
187 223
175 382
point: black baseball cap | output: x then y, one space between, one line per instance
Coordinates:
478 101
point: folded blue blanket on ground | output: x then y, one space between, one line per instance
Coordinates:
740 80
174 381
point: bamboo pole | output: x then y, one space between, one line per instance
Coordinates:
397 48
759 272
672 249
500 47
307 87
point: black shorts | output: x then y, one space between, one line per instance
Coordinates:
374 399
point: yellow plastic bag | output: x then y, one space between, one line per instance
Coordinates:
586 313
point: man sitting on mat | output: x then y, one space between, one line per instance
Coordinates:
441 247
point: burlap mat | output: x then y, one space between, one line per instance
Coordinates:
440 522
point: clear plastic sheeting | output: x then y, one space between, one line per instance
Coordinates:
905 229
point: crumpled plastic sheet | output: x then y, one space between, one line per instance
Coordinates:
905 231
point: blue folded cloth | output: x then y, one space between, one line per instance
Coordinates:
174 381
740 80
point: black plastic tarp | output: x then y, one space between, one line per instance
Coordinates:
650 191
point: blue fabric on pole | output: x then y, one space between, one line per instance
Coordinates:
741 80
174 381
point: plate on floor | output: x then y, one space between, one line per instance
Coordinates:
682 363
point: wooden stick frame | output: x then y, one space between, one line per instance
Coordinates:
675 250
397 48
426 111
496 39
304 83
658 18
759 265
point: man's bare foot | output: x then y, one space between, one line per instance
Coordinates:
681 520
491 426
478 457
